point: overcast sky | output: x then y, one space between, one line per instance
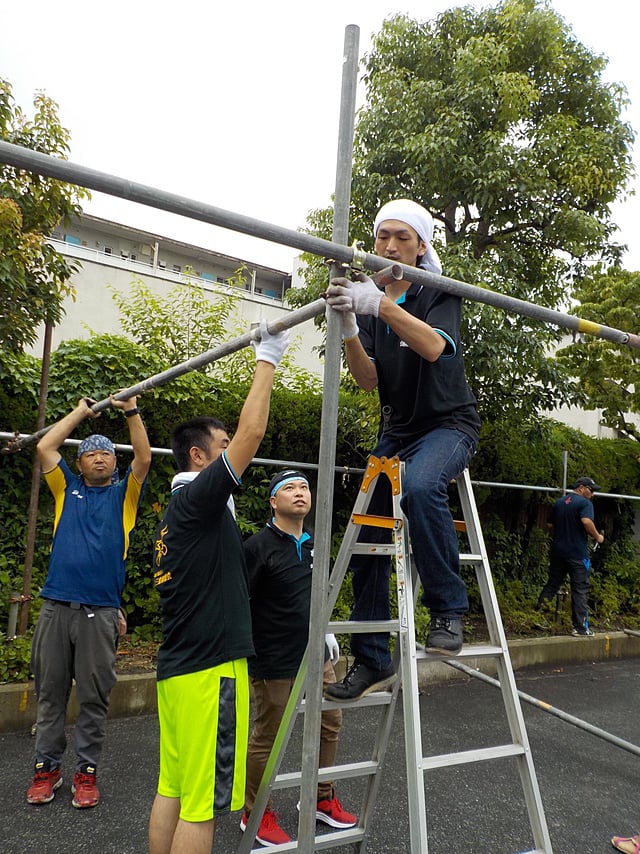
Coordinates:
234 104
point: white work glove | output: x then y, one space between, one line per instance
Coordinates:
349 325
361 297
270 348
333 647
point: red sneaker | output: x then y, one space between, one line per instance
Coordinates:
85 791
332 812
45 783
269 832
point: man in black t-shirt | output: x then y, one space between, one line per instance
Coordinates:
200 575
280 563
405 341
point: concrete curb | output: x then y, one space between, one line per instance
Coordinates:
135 694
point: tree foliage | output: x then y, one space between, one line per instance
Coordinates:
33 276
513 526
608 373
498 121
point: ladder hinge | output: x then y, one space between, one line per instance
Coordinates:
382 465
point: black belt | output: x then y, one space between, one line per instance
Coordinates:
74 605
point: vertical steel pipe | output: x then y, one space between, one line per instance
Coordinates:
326 459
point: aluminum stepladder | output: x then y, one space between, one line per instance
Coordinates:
406 656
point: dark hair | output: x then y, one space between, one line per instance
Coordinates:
193 433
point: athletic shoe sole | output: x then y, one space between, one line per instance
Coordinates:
55 787
322 816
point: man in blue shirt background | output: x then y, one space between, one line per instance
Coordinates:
572 520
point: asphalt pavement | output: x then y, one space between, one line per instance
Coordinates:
589 787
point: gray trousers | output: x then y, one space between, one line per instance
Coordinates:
73 642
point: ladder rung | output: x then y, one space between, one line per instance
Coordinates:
335 772
375 698
444 760
470 558
324 840
459 525
474 650
373 549
356 627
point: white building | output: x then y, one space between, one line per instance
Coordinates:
116 255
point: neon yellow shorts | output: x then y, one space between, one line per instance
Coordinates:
204 728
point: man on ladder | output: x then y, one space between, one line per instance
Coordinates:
406 343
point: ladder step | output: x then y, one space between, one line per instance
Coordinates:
373 549
465 757
335 772
363 626
472 650
375 698
470 558
325 840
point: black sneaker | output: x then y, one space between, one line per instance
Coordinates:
360 681
445 635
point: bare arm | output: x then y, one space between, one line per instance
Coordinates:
418 335
254 415
139 440
253 419
591 529
363 297
361 368
47 447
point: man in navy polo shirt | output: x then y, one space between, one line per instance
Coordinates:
572 519
405 341
280 563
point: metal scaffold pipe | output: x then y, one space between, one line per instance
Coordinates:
287 321
64 170
552 710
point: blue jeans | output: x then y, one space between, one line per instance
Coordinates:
431 462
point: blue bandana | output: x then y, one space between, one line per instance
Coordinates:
283 477
96 442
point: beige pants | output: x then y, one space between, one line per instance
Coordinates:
268 701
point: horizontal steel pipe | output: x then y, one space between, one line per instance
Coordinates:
64 170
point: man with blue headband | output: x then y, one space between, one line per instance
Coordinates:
80 621
405 341
280 565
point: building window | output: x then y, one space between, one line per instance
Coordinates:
107 250
177 268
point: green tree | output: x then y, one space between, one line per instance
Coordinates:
608 373
33 276
498 121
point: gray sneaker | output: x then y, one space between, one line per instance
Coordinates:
445 635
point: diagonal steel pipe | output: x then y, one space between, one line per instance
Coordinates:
287 321
64 170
